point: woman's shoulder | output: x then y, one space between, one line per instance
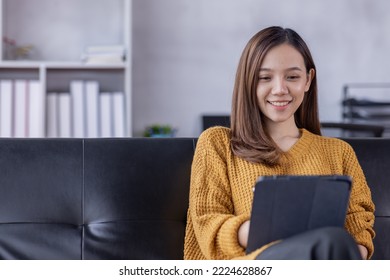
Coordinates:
326 141
216 132
215 136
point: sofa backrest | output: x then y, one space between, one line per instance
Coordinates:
374 157
94 198
122 198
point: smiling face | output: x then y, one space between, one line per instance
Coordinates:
283 81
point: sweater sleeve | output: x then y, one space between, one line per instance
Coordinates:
360 216
211 208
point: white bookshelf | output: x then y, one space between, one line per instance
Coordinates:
60 31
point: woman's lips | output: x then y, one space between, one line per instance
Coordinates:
279 103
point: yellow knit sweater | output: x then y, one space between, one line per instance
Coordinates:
221 191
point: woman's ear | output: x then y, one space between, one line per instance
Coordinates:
310 76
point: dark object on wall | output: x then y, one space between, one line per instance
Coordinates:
346 129
215 120
355 129
367 103
123 198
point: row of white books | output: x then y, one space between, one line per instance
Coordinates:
85 112
22 108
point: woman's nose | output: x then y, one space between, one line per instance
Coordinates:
279 87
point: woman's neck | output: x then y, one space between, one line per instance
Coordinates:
285 135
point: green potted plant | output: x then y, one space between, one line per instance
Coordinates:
159 130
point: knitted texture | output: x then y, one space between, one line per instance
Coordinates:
221 191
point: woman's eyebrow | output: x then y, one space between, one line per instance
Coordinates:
294 68
265 69
288 69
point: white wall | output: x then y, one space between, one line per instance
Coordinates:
73 26
185 52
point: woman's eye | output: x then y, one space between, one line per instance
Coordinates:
293 77
264 78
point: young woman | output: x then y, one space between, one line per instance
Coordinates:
274 130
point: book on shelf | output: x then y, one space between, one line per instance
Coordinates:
91 102
78 108
20 109
106 121
22 105
86 112
52 115
64 115
6 108
118 101
104 54
98 49
112 117
84 103
36 110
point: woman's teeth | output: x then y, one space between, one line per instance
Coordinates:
279 103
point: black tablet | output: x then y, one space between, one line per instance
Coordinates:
287 205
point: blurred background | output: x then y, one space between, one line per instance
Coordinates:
174 61
185 52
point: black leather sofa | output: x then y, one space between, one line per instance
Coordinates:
122 198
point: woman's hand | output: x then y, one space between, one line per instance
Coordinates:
363 251
243 233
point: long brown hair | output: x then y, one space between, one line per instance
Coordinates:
250 140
